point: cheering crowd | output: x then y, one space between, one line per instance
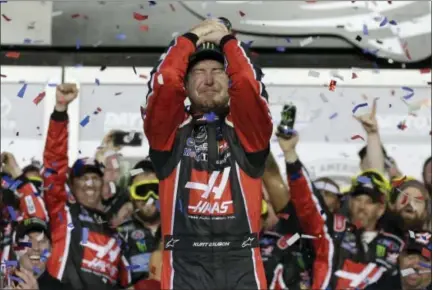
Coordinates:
209 207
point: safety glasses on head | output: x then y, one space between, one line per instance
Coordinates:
37 181
143 190
373 183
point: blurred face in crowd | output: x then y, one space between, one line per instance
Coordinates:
331 200
87 190
364 212
31 258
111 175
411 206
146 209
207 86
418 280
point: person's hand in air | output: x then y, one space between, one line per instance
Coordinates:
65 94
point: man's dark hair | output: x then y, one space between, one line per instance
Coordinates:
145 165
30 168
425 165
363 152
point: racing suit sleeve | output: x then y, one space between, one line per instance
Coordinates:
55 193
311 213
31 202
249 111
164 109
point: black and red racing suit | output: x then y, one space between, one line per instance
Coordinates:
209 171
342 260
85 252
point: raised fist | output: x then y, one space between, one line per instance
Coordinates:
65 94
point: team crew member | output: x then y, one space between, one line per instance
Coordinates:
347 256
209 160
86 253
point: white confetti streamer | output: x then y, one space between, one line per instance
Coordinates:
407 272
293 239
135 172
306 41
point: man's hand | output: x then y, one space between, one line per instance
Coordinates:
106 147
10 165
288 146
122 215
29 281
369 121
211 30
65 94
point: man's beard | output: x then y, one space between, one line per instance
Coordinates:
416 223
149 219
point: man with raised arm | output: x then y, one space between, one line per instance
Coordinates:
209 159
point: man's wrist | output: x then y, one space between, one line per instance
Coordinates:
61 107
226 38
290 156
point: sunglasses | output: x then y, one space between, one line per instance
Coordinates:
143 190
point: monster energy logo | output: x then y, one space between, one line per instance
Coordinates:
141 246
380 251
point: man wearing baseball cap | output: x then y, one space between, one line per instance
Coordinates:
209 160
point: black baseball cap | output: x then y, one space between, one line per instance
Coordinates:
205 51
373 184
33 224
145 165
86 165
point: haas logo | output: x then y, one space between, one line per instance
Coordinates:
210 199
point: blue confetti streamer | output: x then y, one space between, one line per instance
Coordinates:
384 22
393 22
77 44
359 106
121 36
210 116
36 270
60 217
363 179
27 41
84 235
85 121
16 279
425 265
365 29
71 225
281 49
132 267
407 97
249 43
11 263
97 82
288 40
24 244
333 116
22 91
52 85
15 185
152 3
407 89
12 213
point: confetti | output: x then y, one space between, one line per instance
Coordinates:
384 22
306 41
6 18
12 213
133 267
425 70
118 93
12 54
2 75
314 74
210 116
407 272
323 97
145 77
393 22
139 17
76 15
281 49
332 85
402 125
11 263
85 121
144 27
333 116
172 7
77 44
36 270
84 235
365 29
288 40
242 14
411 93
133 68
121 36
354 76
358 38
24 244
97 111
39 98
152 3
97 82
363 179
359 106
16 279
293 239
103 68
22 91
355 137
56 13
134 172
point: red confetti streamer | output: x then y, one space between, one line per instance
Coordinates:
354 137
172 7
425 70
144 27
6 18
402 125
13 54
76 15
143 77
406 52
241 13
354 76
39 98
332 85
140 17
